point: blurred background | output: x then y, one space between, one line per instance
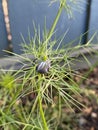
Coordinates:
17 17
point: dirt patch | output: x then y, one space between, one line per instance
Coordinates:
87 118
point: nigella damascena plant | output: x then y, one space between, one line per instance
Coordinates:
43 67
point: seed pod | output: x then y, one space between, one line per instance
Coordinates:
43 67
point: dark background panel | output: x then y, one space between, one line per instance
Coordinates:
22 13
3 33
93 22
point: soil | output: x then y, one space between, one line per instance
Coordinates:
87 118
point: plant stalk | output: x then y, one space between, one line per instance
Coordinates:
42 115
48 38
40 106
56 20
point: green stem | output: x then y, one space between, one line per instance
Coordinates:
59 105
42 115
56 20
59 112
41 108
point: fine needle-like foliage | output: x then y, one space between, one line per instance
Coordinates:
37 99
34 100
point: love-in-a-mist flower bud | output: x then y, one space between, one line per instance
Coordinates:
43 67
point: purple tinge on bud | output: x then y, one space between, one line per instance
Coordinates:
43 67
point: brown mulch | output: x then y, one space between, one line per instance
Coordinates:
87 119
